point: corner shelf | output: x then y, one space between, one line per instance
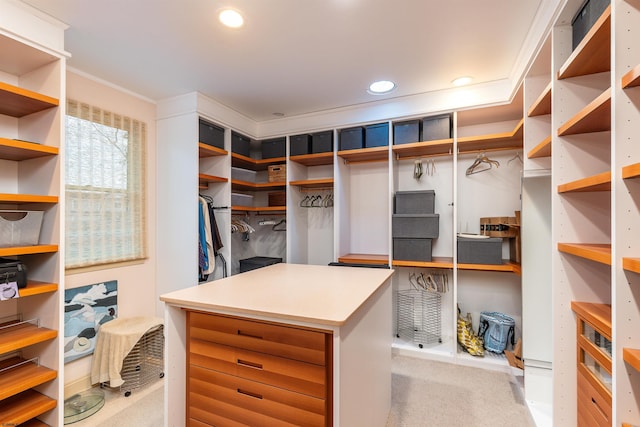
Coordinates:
493 142
17 150
441 147
597 252
206 150
542 105
363 155
595 117
237 184
631 78
240 161
599 182
18 102
543 149
324 183
632 357
18 375
317 159
205 179
593 54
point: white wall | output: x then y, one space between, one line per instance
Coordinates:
136 283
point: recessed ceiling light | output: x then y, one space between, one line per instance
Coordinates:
231 18
381 87
461 81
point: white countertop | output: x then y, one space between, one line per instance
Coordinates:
326 295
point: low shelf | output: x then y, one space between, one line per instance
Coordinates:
631 171
25 406
18 375
23 334
374 259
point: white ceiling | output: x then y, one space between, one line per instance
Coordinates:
299 56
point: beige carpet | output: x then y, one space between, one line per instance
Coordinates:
436 394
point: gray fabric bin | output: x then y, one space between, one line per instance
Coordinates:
425 226
480 251
414 202
410 249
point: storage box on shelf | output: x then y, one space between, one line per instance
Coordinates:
211 134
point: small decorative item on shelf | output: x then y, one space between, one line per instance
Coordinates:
467 338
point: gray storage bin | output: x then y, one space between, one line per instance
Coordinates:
480 251
411 249
299 145
414 202
273 148
240 144
437 127
211 134
406 132
426 226
322 142
352 138
255 262
376 135
587 15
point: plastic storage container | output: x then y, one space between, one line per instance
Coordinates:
480 251
255 262
411 249
414 202
20 228
424 226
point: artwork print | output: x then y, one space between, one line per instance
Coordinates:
85 309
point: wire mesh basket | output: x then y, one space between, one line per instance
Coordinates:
419 316
145 362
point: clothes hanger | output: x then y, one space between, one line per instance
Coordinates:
516 157
484 161
281 223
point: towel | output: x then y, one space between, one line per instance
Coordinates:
114 341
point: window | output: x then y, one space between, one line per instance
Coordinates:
104 171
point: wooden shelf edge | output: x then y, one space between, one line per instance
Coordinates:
20 375
374 259
543 149
597 252
204 178
542 105
590 118
441 147
317 159
258 186
507 266
436 262
22 102
632 357
24 335
631 78
494 141
631 171
28 250
631 264
255 164
25 406
15 149
207 150
313 183
599 182
27 198
597 314
258 209
35 288
373 154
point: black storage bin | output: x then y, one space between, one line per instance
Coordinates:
480 251
299 145
255 262
352 264
411 249
352 138
322 142
587 15
12 270
240 144
414 202
376 135
406 132
437 127
211 134
273 148
424 226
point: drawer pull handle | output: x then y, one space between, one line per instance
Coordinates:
247 334
248 364
248 393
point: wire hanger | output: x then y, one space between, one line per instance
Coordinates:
279 226
482 162
516 157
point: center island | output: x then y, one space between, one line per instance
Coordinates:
287 344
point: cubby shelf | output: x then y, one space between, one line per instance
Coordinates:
631 264
25 406
595 117
317 159
542 105
593 54
596 314
496 141
631 171
206 150
599 182
23 334
28 250
36 288
598 252
17 150
447 262
19 102
237 184
18 375
441 147
323 183
27 198
363 155
240 161
543 149
631 78
205 179
632 357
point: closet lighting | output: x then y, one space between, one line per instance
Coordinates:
461 81
381 87
231 18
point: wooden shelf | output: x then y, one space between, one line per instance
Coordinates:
19 375
542 105
436 262
599 182
441 147
318 159
28 250
34 423
27 198
237 184
596 314
593 54
19 102
543 149
598 252
631 78
240 161
259 209
496 141
23 335
506 266
205 179
36 288
206 150
631 171
632 357
595 117
373 154
374 259
13 149
631 264
25 406
326 183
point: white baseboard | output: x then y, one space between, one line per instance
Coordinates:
77 386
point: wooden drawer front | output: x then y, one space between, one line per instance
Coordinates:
214 396
290 374
593 408
278 340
